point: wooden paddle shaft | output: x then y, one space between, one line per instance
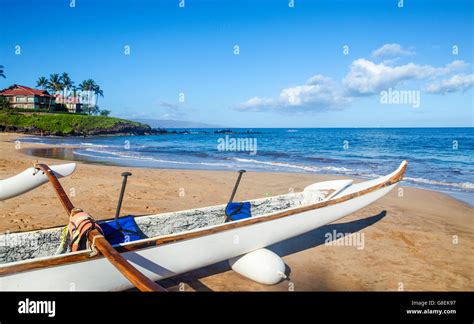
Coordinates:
138 279
236 185
65 201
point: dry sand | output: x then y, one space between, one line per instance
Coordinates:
408 239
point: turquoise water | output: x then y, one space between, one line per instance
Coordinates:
439 158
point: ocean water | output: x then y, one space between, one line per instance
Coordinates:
440 159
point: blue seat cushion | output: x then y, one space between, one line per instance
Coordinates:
238 210
122 230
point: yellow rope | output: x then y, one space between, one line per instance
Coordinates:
63 240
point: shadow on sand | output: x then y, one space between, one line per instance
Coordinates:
300 243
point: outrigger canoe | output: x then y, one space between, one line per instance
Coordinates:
178 242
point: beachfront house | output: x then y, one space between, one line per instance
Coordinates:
72 103
28 98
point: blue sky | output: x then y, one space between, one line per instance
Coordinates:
291 70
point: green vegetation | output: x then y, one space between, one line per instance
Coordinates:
69 124
4 103
7 109
86 91
105 112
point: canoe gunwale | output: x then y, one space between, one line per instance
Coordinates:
82 256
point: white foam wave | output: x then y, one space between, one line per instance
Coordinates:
94 145
137 157
295 166
122 156
460 185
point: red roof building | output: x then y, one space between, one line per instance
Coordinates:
28 98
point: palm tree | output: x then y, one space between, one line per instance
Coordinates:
42 83
83 87
74 94
87 86
1 72
66 82
55 85
91 85
98 92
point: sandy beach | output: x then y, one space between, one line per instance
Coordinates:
420 240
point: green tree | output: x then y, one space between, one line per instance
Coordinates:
55 85
98 93
42 83
105 112
74 90
66 82
87 87
83 86
4 103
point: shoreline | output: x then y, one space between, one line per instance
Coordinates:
408 238
67 153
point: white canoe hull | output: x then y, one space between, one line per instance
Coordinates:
164 261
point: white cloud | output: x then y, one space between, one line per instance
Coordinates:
456 65
459 82
171 110
391 50
168 105
366 77
318 93
256 102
